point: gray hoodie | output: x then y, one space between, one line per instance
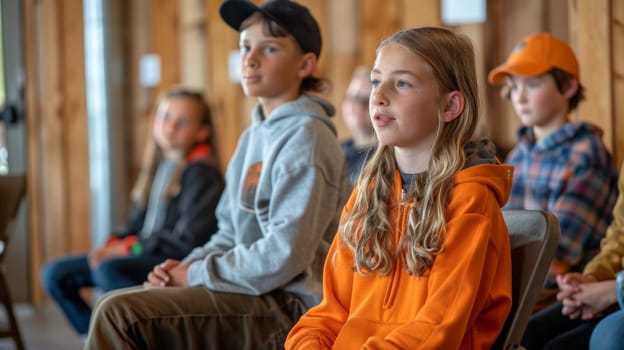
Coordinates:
285 188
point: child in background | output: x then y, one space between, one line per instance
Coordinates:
560 166
355 114
174 200
286 185
422 259
585 299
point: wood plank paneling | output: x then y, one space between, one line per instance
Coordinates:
164 28
344 51
34 126
380 19
478 37
592 39
557 18
51 132
420 13
142 99
75 129
226 98
192 43
57 147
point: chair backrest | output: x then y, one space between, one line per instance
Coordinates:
534 236
12 190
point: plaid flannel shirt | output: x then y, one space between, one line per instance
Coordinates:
571 174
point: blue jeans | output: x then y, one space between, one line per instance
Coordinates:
64 277
609 333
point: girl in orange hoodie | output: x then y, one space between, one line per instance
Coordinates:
422 257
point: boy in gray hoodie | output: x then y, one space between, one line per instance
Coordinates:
285 188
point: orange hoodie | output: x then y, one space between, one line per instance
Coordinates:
460 303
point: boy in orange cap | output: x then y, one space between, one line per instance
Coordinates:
560 166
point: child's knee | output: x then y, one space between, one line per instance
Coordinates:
105 275
46 274
112 307
51 275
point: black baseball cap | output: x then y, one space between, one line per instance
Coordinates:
293 17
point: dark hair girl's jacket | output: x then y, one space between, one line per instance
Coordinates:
183 221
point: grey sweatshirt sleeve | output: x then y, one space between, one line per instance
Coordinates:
297 219
221 240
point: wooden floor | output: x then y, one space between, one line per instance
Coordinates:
42 328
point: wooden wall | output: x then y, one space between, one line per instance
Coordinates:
193 44
58 172
598 37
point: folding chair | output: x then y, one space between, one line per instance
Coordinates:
534 236
12 190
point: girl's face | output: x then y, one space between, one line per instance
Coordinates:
270 66
537 101
177 126
404 102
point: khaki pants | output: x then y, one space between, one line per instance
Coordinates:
192 318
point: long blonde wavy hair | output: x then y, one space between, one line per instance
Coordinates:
366 229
